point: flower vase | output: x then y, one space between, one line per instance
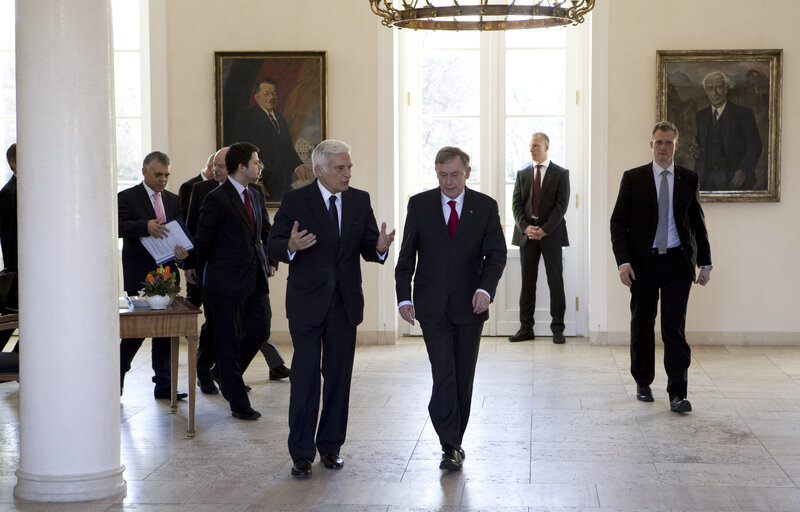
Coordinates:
158 301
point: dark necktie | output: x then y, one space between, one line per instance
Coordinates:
715 117
275 122
248 205
334 212
452 222
663 214
537 188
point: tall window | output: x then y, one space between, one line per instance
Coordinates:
127 82
486 93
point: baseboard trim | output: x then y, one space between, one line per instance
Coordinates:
706 338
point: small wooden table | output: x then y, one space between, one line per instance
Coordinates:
178 319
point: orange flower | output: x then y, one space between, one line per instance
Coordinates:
166 269
167 274
150 278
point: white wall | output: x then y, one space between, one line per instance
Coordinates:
754 246
346 29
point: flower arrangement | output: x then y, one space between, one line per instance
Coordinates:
161 281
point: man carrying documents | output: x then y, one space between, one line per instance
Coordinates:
143 211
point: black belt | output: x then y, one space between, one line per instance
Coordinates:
671 250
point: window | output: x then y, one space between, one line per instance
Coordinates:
126 19
486 93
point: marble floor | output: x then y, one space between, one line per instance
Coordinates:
553 428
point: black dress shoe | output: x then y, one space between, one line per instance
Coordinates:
302 468
558 338
680 404
462 453
643 393
451 460
522 335
207 386
332 461
167 395
281 372
249 414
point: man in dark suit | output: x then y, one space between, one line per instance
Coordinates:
142 211
658 234
8 239
539 203
321 230
453 239
205 353
193 293
232 270
728 145
267 129
185 192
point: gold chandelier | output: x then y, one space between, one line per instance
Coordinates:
481 14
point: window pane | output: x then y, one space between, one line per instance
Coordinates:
127 84
8 87
7 20
129 150
518 139
450 82
445 39
535 82
437 133
555 37
125 20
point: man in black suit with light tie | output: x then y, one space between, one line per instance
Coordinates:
232 270
658 235
539 203
454 248
321 231
142 211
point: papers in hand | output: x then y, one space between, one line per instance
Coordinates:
163 249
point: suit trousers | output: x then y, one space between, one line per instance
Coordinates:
529 254
160 356
240 326
669 277
453 354
334 342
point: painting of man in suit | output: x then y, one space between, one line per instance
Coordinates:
276 101
727 143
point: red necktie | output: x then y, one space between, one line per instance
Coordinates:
248 205
537 187
452 222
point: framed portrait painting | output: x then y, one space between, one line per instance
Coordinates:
277 101
727 106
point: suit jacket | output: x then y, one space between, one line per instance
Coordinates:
185 193
314 273
229 252
447 271
741 145
8 224
276 150
135 208
635 219
553 202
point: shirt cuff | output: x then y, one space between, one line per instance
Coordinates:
405 303
484 292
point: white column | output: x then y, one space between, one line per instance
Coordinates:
69 324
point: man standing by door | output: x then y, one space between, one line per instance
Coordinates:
539 203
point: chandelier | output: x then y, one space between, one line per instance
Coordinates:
480 14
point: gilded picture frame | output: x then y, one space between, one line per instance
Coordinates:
735 150
277 101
